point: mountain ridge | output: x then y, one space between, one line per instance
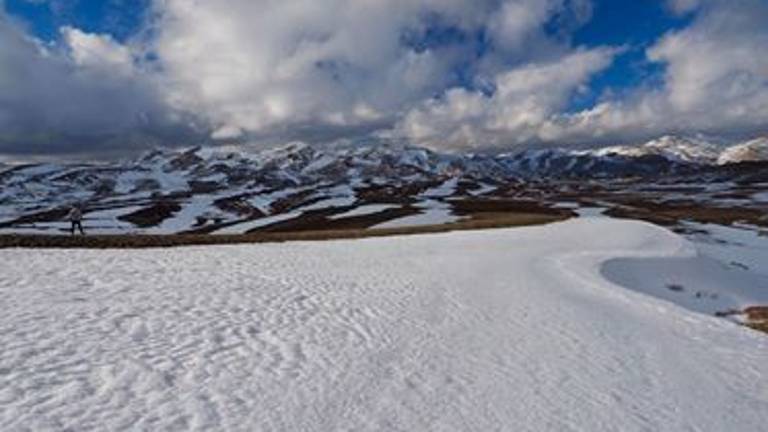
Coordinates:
207 189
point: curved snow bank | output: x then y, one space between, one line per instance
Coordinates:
657 262
492 330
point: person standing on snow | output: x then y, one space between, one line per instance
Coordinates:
75 216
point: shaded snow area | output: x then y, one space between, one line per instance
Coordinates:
364 210
484 189
445 189
698 282
243 228
191 210
740 247
468 331
727 272
431 212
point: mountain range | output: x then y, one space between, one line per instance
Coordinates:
209 190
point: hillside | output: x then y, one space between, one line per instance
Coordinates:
485 331
373 185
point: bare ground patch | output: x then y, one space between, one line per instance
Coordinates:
155 241
754 317
153 215
757 318
671 213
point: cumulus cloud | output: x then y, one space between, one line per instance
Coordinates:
77 96
244 69
303 69
525 98
715 81
715 66
452 74
98 52
683 6
252 67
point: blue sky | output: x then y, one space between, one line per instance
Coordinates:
120 18
471 74
634 24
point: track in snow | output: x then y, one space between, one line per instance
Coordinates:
495 330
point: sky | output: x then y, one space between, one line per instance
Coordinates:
100 77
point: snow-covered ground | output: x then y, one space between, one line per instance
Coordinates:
741 247
445 189
432 212
512 329
244 227
364 210
197 206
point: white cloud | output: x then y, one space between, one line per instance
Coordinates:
97 51
716 64
73 96
684 6
715 82
259 66
303 68
310 69
526 98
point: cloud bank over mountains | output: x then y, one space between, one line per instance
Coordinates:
450 74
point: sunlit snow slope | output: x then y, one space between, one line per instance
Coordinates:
489 330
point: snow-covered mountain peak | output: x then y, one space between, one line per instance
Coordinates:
750 151
218 186
673 148
300 162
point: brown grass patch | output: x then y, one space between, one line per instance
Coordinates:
477 207
294 200
238 205
54 215
319 221
671 213
395 194
757 313
760 326
153 215
156 241
757 318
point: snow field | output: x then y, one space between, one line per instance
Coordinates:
490 330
